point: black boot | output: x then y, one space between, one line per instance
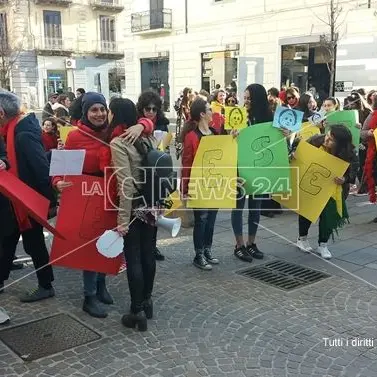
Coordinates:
133 320
92 307
158 255
103 294
148 308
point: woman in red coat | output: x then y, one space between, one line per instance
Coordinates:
93 136
198 127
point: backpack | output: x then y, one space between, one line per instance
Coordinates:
160 180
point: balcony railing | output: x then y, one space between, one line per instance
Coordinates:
108 48
61 3
159 20
115 5
55 46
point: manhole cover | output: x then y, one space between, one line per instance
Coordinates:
284 275
47 336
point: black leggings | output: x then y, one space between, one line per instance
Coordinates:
141 263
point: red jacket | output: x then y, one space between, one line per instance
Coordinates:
50 141
190 147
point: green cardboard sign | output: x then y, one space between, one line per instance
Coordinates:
348 118
263 160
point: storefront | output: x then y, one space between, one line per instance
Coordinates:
155 76
219 68
56 82
306 66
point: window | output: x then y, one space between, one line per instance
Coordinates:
52 29
107 33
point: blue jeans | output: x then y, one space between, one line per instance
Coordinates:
254 207
91 279
204 227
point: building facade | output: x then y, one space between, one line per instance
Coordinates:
62 44
171 44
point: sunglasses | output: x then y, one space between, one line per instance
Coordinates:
231 102
289 98
150 109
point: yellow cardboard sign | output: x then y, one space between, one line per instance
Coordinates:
165 142
64 131
312 180
176 202
308 130
216 107
213 179
235 118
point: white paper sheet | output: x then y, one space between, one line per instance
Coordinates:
67 162
159 135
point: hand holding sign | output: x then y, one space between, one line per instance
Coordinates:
313 173
288 118
263 158
235 118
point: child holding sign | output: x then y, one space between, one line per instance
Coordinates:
337 142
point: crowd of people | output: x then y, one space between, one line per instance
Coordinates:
111 136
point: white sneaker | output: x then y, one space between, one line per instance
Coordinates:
324 251
303 244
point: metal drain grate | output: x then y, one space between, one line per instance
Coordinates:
47 336
284 275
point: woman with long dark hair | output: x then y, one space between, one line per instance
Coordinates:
338 143
137 228
256 103
307 105
200 118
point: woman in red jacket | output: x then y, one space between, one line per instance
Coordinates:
50 135
198 127
92 135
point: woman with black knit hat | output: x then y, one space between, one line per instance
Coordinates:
90 135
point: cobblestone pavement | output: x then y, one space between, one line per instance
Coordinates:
219 323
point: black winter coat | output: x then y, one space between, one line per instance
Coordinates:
33 166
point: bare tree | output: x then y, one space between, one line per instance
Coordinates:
329 41
9 52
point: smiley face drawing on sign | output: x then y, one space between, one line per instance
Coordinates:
236 118
211 179
287 119
312 174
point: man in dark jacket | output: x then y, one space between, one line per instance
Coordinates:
47 110
27 160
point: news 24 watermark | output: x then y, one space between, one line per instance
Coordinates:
349 342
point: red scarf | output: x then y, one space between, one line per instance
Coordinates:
19 210
370 160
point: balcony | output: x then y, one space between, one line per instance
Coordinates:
59 3
108 49
55 46
107 5
152 22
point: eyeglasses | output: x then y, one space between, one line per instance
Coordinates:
150 109
231 102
